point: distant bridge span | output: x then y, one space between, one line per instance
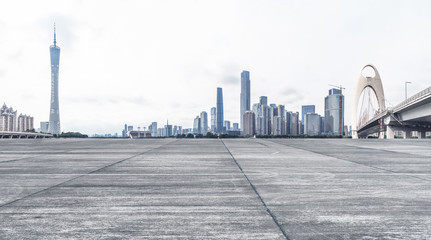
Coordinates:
24 135
412 114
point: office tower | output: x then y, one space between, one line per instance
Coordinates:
292 123
175 130
7 119
263 100
245 95
161 132
306 109
44 127
334 112
235 126
213 119
312 124
226 125
249 124
219 118
273 112
54 113
123 132
180 130
25 123
129 128
277 125
204 122
261 113
154 129
282 115
197 125
168 130
322 125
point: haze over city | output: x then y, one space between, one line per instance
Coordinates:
137 62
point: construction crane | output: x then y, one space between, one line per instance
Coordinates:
339 87
340 111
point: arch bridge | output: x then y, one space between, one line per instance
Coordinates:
412 114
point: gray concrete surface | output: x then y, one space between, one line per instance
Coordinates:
214 189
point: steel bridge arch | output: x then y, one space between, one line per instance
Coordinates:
375 83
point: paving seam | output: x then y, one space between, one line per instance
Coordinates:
274 218
91 172
361 164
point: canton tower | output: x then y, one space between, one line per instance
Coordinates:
54 113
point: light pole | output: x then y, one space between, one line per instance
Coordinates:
406 88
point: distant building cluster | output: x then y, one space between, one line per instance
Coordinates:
273 119
259 119
10 122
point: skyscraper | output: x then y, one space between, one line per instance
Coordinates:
219 118
213 119
54 113
306 109
245 95
204 122
249 124
334 113
312 124
263 100
197 125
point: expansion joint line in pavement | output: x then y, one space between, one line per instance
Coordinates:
72 179
274 218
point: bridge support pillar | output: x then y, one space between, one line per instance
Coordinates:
390 133
407 134
422 134
381 135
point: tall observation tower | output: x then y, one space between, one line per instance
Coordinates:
54 113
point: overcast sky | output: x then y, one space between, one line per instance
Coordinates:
136 62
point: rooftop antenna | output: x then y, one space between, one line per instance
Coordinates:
55 40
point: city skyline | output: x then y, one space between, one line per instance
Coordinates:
131 66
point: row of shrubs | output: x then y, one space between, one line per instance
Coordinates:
213 135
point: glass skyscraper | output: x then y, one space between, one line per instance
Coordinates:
54 113
244 96
306 109
334 113
219 118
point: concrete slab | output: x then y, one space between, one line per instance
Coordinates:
215 189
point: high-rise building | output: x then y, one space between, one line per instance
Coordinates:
282 115
263 100
25 123
197 125
226 125
204 122
235 126
168 130
220 113
262 115
249 123
153 129
245 95
334 112
213 119
306 109
8 119
312 124
292 123
44 127
54 113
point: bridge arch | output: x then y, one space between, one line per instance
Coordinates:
375 83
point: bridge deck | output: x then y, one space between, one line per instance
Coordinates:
195 189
